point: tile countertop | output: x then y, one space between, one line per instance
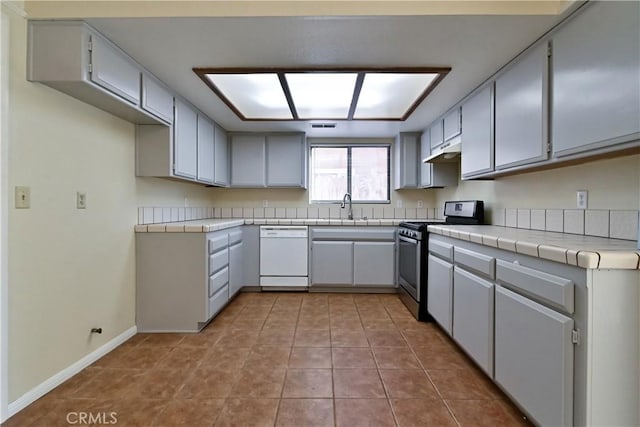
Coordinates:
572 249
208 225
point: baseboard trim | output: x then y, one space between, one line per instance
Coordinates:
54 381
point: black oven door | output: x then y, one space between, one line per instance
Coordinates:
409 270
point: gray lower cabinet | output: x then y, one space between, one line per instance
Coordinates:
595 84
520 111
353 256
332 263
534 357
473 316
477 139
236 267
206 147
185 140
251 255
374 263
184 279
440 292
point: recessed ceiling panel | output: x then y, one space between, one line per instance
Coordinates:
255 96
391 95
322 95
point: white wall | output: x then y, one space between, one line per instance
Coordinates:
70 270
612 184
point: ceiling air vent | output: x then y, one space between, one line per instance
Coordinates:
323 125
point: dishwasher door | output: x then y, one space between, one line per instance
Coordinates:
284 251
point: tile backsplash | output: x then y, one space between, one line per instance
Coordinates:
615 224
155 215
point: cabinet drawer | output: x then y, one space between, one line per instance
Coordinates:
443 250
235 237
475 261
218 242
219 300
218 260
553 290
218 280
351 233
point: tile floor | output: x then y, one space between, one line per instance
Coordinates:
284 359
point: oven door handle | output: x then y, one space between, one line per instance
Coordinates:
408 240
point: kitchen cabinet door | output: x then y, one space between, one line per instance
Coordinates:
114 71
440 292
286 161
425 151
374 263
221 158
332 263
205 150
235 268
477 139
595 68
452 124
156 99
185 140
534 357
406 160
520 111
436 133
473 317
248 155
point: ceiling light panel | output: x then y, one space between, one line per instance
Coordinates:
322 95
390 95
255 96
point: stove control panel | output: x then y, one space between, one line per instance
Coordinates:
413 234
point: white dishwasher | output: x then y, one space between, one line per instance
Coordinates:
284 257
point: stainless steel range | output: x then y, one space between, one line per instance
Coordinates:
413 251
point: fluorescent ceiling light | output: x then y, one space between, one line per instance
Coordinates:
322 95
390 95
256 96
329 93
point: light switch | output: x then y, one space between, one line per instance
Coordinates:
23 197
81 200
582 199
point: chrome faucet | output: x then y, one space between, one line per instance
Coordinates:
344 201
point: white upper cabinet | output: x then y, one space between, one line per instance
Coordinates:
185 139
272 160
286 160
436 131
205 150
156 99
452 124
248 165
477 140
221 158
595 78
521 107
114 71
406 153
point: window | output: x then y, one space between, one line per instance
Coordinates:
361 170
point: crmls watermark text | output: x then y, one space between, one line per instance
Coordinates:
90 418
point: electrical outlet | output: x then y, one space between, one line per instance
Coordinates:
81 200
265 203
582 199
23 197
420 204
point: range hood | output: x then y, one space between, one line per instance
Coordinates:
447 152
